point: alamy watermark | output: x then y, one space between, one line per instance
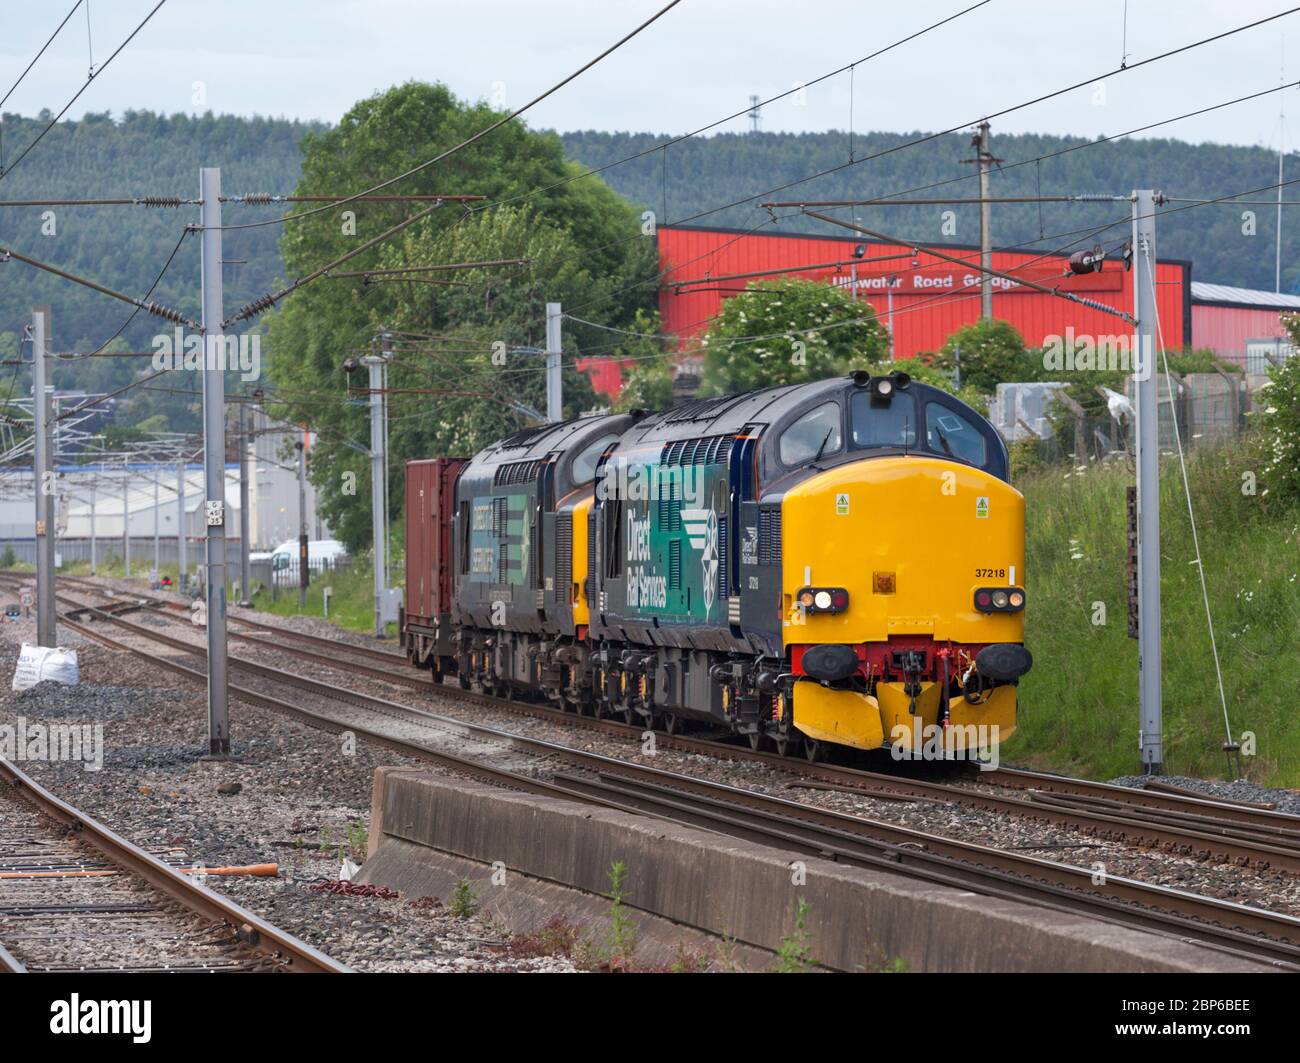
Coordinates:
228 354
621 479
83 742
1085 352
975 742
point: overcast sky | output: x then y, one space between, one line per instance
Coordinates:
698 63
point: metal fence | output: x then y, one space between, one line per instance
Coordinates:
1207 408
107 551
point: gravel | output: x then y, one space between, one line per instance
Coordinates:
295 785
301 800
1283 800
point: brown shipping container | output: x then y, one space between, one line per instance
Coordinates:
430 509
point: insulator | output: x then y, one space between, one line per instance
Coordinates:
164 312
258 199
254 308
158 201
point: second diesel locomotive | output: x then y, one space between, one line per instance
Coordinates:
833 563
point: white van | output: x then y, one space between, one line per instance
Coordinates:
322 555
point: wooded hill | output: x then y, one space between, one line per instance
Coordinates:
141 153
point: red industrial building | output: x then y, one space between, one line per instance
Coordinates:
1241 325
923 299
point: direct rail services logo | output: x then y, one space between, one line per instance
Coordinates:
74 1015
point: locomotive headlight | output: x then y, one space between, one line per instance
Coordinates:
823 599
999 600
884 388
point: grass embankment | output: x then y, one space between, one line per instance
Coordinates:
1079 709
352 601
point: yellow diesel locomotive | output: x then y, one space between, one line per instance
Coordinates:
838 563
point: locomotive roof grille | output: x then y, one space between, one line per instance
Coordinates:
516 472
702 451
523 437
700 409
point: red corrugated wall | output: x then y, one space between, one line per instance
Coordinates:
1225 329
924 319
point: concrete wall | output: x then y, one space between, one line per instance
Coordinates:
858 919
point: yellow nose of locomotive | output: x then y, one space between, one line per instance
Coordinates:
920 553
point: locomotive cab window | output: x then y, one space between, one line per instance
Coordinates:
584 465
949 433
816 433
892 425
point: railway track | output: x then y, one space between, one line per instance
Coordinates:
75 896
1240 929
1175 822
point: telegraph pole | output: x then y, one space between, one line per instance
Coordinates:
375 363
304 554
126 519
157 548
984 160
94 490
244 597
1151 732
181 566
554 395
214 460
43 471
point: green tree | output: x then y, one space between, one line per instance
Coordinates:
788 332
649 381
1280 421
458 379
991 353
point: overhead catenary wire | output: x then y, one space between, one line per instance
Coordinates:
663 146
928 138
973 176
474 138
91 77
1145 250
1092 304
265 302
148 307
72 11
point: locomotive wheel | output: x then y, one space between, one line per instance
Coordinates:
435 677
463 681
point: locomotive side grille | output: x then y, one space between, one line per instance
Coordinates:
463 533
563 556
722 559
675 565
769 536
669 503
591 553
